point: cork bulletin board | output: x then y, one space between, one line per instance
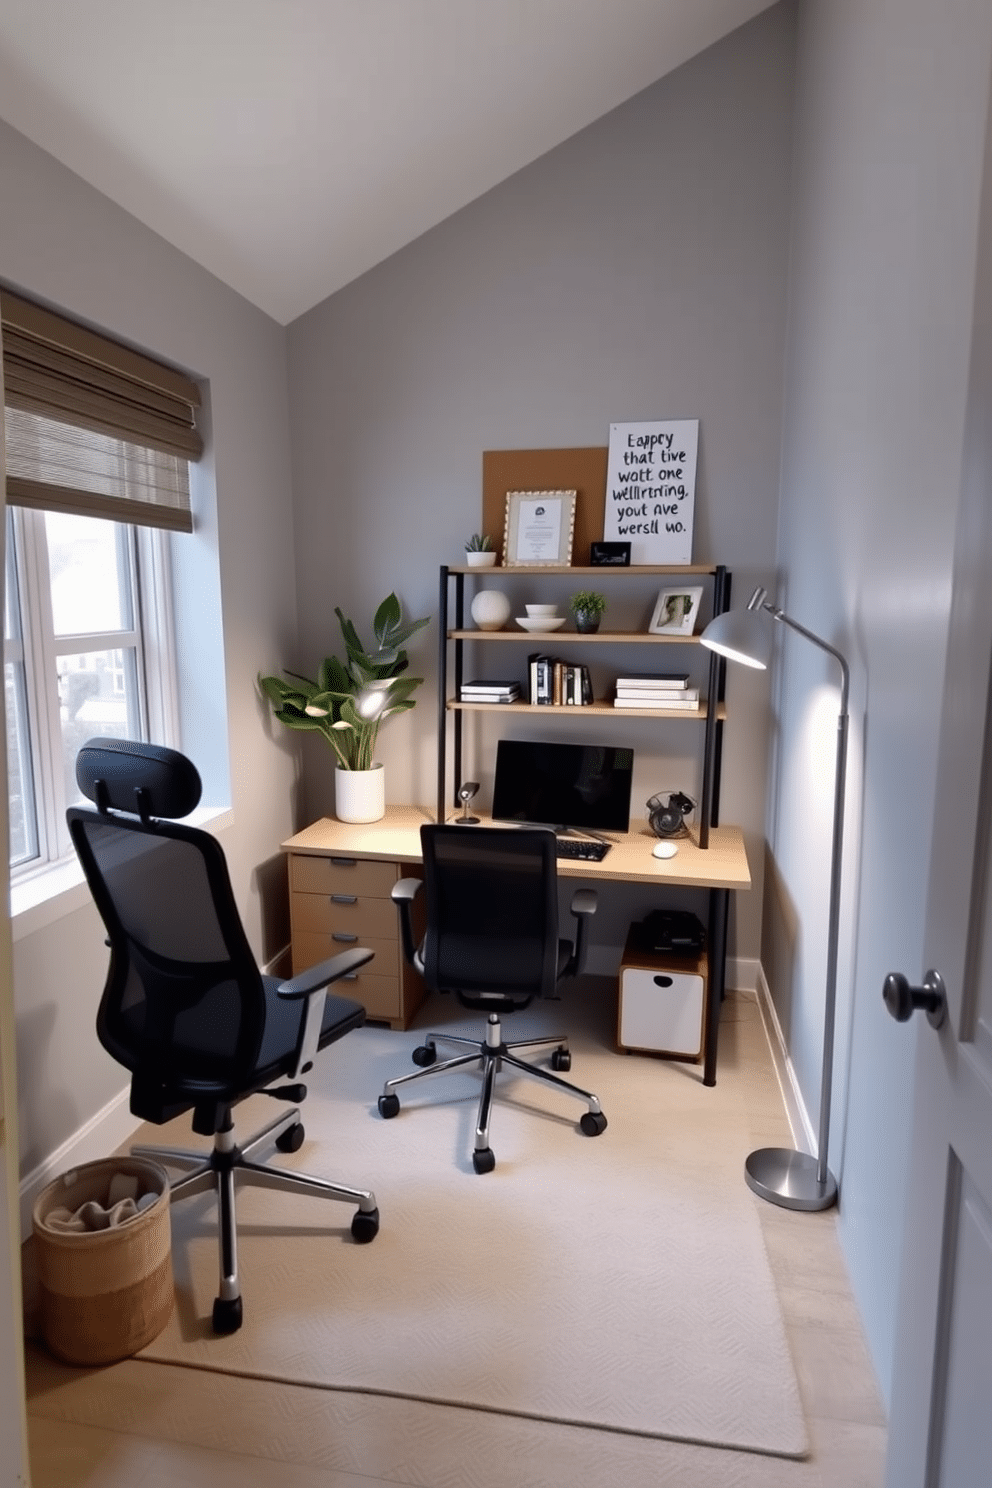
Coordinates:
579 470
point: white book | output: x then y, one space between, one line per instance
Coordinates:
660 694
668 680
681 704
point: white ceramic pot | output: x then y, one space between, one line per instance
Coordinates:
360 795
480 560
490 609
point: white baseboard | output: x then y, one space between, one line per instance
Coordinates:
100 1136
803 1135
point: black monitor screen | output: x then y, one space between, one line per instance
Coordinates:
563 785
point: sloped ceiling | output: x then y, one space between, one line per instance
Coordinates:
289 145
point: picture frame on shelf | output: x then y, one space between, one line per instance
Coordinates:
676 611
539 529
609 555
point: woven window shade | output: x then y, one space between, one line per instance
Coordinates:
92 426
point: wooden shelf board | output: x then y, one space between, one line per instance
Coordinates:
588 710
601 571
557 637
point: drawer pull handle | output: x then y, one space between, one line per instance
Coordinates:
663 981
345 862
340 935
349 976
344 898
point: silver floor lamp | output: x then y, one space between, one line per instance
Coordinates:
792 1179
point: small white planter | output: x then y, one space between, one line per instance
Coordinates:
480 560
360 795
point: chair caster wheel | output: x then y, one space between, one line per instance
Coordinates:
592 1123
424 1055
291 1140
389 1105
365 1226
561 1060
227 1315
483 1159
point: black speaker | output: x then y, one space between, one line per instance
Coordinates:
667 813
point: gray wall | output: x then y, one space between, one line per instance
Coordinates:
635 272
892 105
65 243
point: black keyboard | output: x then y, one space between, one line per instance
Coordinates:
575 847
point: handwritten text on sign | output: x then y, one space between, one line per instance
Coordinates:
651 489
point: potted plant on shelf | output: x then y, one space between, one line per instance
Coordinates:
349 701
587 606
479 551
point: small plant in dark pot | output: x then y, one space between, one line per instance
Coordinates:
587 606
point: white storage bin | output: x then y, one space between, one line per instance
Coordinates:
662 1003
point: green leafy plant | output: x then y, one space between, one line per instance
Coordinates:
479 542
587 602
349 701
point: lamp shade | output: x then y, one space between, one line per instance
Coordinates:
740 635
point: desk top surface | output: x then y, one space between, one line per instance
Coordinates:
396 839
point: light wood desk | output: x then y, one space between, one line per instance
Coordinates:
341 873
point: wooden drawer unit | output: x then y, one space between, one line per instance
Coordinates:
337 902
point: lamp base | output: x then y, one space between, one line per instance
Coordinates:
789 1179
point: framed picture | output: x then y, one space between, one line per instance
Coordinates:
676 611
609 555
539 528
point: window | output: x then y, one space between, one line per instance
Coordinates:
87 651
98 440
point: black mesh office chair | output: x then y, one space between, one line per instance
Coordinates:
492 940
185 1007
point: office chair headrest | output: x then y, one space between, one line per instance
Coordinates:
147 779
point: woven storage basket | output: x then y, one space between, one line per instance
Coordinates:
104 1293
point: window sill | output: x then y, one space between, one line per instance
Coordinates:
51 893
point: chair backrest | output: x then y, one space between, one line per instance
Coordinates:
184 1005
492 912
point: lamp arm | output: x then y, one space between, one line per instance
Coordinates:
845 671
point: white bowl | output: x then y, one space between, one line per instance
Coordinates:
539 612
540 625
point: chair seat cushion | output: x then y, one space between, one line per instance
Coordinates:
283 1017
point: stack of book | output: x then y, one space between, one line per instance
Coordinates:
489 692
558 683
661 690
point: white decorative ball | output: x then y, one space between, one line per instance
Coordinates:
490 609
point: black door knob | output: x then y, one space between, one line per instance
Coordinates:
902 1000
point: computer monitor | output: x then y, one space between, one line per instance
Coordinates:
563 785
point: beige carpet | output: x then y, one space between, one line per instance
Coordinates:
617 1282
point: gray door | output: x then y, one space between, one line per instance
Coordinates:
940 1430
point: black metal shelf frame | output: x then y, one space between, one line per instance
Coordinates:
709 806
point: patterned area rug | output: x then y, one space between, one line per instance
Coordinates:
617 1282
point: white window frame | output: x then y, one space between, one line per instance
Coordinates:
151 637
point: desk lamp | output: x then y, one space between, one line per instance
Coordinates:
795 1180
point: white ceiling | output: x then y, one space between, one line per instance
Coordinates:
289 145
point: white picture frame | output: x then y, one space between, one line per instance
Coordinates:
676 611
539 529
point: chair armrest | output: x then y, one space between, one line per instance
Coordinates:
403 893
316 980
325 972
584 903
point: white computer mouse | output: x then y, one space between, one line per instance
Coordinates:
664 850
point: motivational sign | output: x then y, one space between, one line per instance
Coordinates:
651 489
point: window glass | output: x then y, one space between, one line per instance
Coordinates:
89 573
81 659
98 696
